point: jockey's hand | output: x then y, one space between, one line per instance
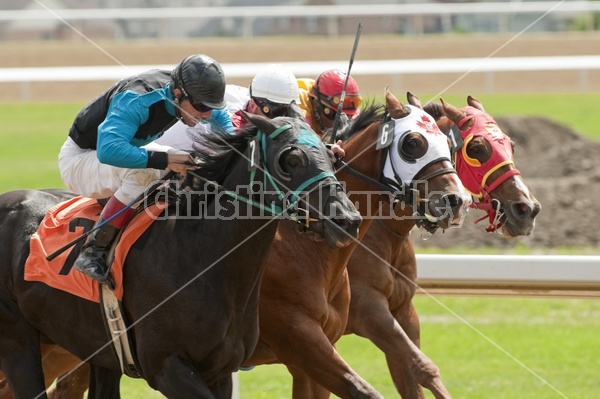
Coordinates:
338 150
181 163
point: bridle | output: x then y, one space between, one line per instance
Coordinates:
288 202
475 175
396 188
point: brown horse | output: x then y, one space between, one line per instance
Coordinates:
305 290
383 272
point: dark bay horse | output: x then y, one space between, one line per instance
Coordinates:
191 292
383 270
305 291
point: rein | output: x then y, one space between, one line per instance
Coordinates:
490 205
291 203
393 191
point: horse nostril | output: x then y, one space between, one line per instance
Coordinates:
524 210
453 203
347 223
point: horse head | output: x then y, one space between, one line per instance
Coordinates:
291 176
419 159
484 160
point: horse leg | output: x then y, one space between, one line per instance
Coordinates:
426 372
52 369
25 375
57 362
104 383
304 387
223 389
71 385
178 380
408 366
5 392
307 348
20 355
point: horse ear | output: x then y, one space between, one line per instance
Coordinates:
453 113
396 109
261 122
294 111
475 103
444 124
413 100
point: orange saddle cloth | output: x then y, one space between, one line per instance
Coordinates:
64 223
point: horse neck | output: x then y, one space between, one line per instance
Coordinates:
396 222
362 156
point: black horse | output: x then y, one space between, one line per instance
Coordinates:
191 290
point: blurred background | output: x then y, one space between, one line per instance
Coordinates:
114 33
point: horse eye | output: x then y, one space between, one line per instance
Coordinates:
290 160
413 146
480 149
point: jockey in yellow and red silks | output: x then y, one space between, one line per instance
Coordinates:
320 99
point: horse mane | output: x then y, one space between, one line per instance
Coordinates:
434 109
214 148
370 114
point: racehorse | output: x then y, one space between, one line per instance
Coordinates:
191 287
383 270
305 289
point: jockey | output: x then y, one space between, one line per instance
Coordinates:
273 90
103 155
320 98
271 93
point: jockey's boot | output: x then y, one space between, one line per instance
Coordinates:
92 259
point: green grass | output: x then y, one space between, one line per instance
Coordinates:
508 349
526 348
31 137
504 349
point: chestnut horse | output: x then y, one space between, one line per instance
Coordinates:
305 290
192 324
383 271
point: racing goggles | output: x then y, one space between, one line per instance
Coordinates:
270 109
350 106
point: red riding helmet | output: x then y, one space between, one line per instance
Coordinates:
328 90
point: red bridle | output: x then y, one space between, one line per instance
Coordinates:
473 174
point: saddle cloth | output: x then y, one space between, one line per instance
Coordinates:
61 225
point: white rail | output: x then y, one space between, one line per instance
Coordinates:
548 275
313 68
582 65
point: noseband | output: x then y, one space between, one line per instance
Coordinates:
474 175
288 203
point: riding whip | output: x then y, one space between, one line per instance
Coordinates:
139 198
336 121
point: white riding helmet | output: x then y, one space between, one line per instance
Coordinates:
275 83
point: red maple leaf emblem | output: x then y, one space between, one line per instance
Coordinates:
427 124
